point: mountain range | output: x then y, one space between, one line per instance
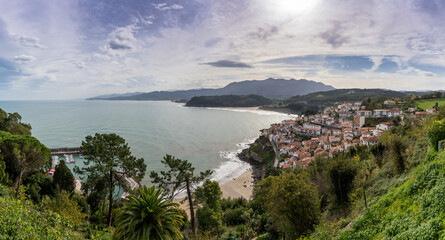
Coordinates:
270 88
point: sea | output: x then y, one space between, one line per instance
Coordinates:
209 138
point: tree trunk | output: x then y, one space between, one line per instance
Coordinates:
18 183
192 212
110 199
364 195
339 187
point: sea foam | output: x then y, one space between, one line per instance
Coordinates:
234 167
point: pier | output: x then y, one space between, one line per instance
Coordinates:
65 150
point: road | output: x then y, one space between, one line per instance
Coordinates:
277 152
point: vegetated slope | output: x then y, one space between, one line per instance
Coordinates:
429 103
270 88
414 210
345 95
317 99
21 219
228 101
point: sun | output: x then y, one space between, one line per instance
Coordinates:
293 7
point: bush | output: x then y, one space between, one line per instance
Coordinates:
436 133
233 217
21 220
209 219
230 235
266 236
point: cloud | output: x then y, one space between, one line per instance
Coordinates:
122 38
228 64
29 41
212 42
80 65
264 34
24 59
334 36
163 6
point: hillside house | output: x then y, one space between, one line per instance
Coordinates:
364 113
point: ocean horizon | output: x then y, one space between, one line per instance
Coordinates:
210 138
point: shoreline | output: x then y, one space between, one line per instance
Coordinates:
241 186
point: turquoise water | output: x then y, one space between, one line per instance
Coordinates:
209 138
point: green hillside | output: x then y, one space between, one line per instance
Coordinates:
21 219
413 210
315 101
229 101
429 103
345 95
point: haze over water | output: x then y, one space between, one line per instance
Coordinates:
209 138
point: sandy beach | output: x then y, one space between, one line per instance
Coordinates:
241 186
243 108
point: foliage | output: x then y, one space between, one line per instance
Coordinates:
38 185
2 171
378 151
291 201
229 101
22 154
231 235
150 216
342 172
413 210
436 133
209 194
11 122
209 219
179 177
397 150
63 178
108 158
65 207
22 220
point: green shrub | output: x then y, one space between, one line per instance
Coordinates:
436 133
233 217
209 219
22 220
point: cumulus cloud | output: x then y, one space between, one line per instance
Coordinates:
122 38
334 36
29 41
228 64
164 6
24 59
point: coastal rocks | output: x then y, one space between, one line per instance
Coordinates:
259 155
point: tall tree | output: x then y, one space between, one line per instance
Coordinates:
180 177
149 216
209 197
108 158
342 172
63 177
291 201
22 154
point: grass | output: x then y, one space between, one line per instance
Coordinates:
429 103
413 210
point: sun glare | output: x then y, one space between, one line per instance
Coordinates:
294 7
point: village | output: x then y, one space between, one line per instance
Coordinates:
299 141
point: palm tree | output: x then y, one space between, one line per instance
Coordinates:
149 216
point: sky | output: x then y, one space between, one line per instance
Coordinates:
73 49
